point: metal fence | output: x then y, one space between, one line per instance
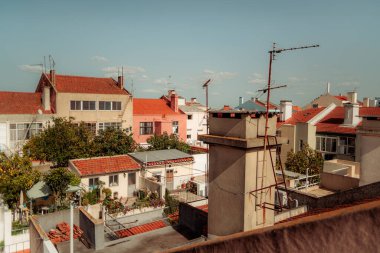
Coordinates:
20 247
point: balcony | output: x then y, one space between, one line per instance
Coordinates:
368 130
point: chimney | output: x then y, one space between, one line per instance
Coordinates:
170 92
351 114
226 108
241 101
286 107
365 102
120 82
52 76
173 101
193 100
46 98
372 103
328 88
352 96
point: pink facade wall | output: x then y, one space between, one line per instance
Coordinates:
165 126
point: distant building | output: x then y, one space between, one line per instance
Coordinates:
98 102
196 119
119 173
156 116
255 104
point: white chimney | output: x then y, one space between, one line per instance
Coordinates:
372 103
241 101
352 96
46 98
365 102
286 107
351 114
328 88
193 100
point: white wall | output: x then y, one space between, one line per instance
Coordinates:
195 126
369 159
200 163
121 188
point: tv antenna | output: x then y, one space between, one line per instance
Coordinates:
51 62
272 55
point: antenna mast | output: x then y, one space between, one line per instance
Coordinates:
272 55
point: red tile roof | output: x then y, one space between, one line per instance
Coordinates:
151 106
302 116
264 103
369 111
83 84
296 108
105 165
204 208
343 98
21 103
179 160
140 229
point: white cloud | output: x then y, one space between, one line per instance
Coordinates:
115 70
98 58
251 93
221 75
257 78
31 68
160 81
151 91
348 83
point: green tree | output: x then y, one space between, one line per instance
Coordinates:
307 158
60 141
171 204
58 180
165 141
113 141
16 175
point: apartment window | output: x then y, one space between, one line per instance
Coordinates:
116 106
114 180
20 132
175 127
91 127
146 128
190 117
326 144
104 125
93 182
347 145
188 136
88 105
75 105
105 105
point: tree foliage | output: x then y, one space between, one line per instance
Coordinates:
16 175
303 159
165 141
63 140
113 141
60 141
59 179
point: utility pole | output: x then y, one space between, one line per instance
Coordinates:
205 86
272 55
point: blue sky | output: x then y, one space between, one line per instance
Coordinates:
194 40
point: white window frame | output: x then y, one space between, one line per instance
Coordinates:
326 140
112 181
91 105
175 127
75 103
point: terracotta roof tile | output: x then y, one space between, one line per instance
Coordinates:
369 111
140 229
302 116
105 165
21 103
151 106
91 85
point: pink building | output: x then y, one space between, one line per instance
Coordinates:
156 116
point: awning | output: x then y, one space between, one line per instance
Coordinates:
41 190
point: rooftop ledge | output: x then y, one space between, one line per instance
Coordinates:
239 142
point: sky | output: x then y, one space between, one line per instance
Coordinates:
180 44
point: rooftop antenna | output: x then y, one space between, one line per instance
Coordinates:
168 83
272 57
44 64
51 62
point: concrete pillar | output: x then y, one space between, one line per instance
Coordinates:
237 172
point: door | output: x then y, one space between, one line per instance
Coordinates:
131 184
169 179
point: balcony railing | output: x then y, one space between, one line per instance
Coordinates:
368 129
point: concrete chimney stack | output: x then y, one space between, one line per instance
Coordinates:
365 102
351 114
120 82
52 76
286 107
193 100
328 88
241 101
352 96
174 101
46 98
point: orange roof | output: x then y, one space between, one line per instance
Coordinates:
152 106
343 98
264 103
296 108
369 111
21 103
140 229
83 84
302 116
105 165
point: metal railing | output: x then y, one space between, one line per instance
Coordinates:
19 247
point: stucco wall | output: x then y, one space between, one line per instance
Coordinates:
369 159
166 125
196 125
354 229
338 182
